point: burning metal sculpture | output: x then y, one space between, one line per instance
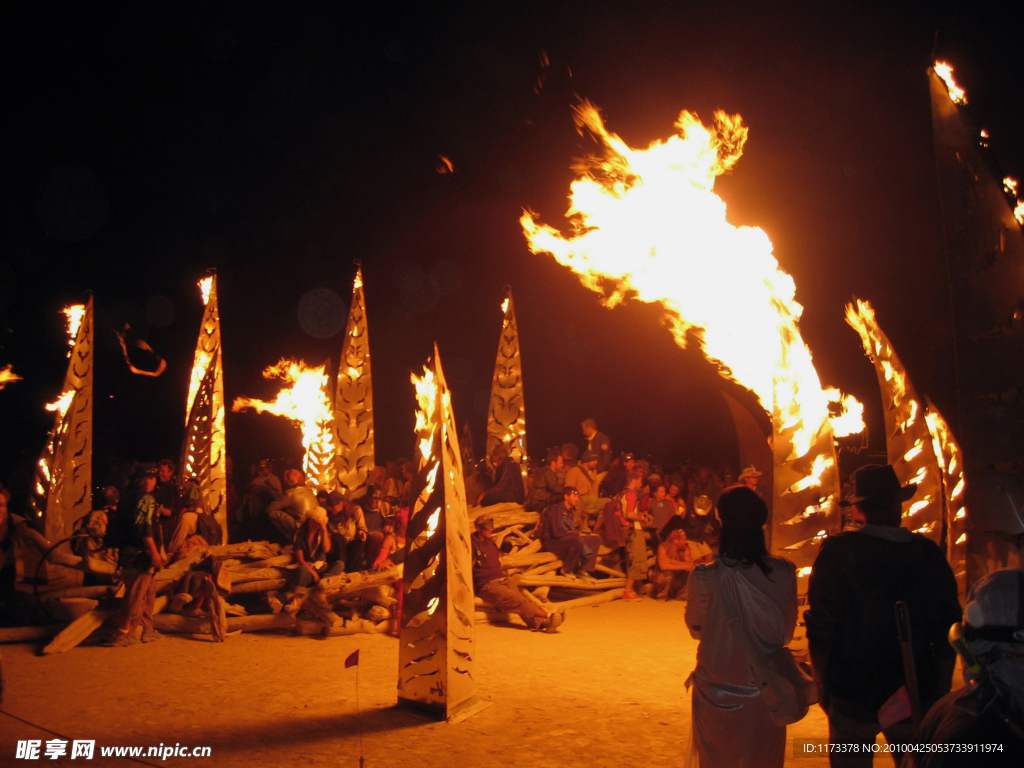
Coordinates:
305 400
63 489
435 663
204 454
353 401
909 443
506 417
984 246
646 223
951 462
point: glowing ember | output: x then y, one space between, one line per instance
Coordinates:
303 400
7 375
944 71
445 166
646 223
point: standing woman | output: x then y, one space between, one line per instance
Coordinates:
742 604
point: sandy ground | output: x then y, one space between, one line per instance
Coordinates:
607 690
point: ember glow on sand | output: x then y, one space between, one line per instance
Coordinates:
646 223
303 400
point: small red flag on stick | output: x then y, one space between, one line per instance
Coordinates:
353 659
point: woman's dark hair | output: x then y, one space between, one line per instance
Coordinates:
743 513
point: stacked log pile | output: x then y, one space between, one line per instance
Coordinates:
535 572
247 574
252 580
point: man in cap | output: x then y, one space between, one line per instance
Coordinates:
989 710
748 477
346 527
492 585
583 477
559 533
858 578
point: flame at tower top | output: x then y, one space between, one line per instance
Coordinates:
646 222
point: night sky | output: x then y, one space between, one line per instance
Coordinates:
142 144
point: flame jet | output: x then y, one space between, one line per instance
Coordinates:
646 224
305 401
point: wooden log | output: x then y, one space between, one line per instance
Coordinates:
491 616
346 583
170 622
358 626
499 536
78 630
582 602
529 555
179 568
259 574
610 571
554 565
278 561
88 592
505 515
541 593
266 585
27 634
573 583
258 550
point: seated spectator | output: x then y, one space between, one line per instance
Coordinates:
661 510
251 512
372 503
312 546
675 495
392 547
990 708
12 528
347 529
264 474
547 485
495 588
704 484
583 477
570 458
508 481
674 563
288 512
559 533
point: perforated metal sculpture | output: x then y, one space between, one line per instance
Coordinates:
506 417
353 401
437 624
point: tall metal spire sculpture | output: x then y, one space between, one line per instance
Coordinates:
435 657
984 247
63 488
353 401
203 454
909 445
506 417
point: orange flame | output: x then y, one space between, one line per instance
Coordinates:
74 314
956 94
445 166
302 400
646 222
7 375
1010 185
205 287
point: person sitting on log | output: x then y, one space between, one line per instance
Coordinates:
288 512
560 535
374 516
392 548
496 589
548 483
312 546
583 477
347 528
675 561
508 481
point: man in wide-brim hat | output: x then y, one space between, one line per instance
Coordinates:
858 578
